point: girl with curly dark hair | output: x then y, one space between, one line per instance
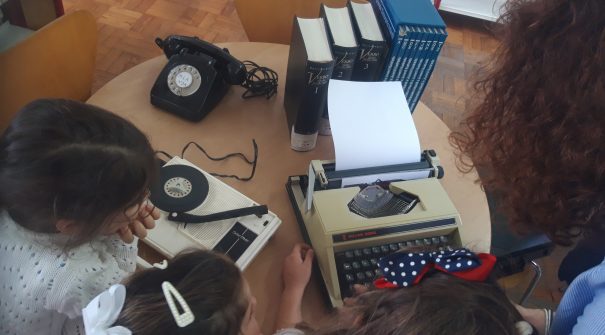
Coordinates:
537 137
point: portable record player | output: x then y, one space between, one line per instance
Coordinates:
200 211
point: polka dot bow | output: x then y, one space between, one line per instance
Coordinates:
405 269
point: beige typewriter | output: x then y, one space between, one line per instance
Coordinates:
351 227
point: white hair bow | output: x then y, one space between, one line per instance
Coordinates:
103 311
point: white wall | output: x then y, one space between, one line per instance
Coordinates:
482 9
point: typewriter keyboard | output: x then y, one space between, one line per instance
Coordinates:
359 266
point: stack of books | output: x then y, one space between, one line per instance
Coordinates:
381 40
416 34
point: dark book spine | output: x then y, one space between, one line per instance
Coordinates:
344 62
370 59
368 64
305 128
343 70
344 57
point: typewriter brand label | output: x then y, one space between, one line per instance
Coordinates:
361 234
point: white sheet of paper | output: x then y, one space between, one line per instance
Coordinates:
371 125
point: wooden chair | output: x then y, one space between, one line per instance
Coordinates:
271 20
56 61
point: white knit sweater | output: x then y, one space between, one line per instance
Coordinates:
44 287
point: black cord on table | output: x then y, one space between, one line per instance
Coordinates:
259 81
236 154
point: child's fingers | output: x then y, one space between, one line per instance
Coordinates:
153 211
296 249
126 234
308 257
360 289
138 229
148 221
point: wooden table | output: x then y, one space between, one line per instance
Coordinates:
232 125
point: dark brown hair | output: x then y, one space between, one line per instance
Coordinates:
62 159
209 282
537 134
440 304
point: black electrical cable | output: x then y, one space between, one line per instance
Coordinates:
260 81
236 154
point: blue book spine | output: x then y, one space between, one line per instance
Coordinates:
406 55
431 44
407 77
405 40
388 69
442 35
394 37
417 63
391 26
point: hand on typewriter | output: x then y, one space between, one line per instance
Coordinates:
297 268
358 290
296 274
145 219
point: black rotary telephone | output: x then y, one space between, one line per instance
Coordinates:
196 78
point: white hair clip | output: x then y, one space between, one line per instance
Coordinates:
524 328
187 317
103 311
162 265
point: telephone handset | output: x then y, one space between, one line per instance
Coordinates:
196 78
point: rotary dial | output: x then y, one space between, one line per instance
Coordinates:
184 80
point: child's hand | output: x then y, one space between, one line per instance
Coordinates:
145 220
297 268
358 290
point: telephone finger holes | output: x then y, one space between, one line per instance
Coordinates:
184 80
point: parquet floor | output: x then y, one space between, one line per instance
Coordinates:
127 29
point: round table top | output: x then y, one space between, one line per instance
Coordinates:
232 125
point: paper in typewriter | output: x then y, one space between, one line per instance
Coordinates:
372 126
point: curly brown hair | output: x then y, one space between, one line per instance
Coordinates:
537 134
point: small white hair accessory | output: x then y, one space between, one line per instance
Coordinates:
103 311
162 265
170 292
524 328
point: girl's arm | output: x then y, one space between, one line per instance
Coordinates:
535 316
123 245
296 275
592 321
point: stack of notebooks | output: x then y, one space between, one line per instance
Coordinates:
416 34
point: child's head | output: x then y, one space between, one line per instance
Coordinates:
431 298
211 285
440 304
66 161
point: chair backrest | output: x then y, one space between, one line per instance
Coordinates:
513 251
57 61
271 20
